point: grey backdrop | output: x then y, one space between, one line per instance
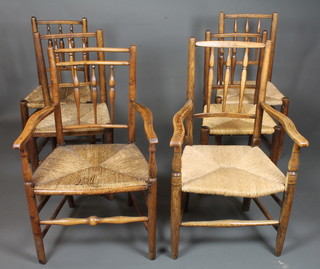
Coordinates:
161 30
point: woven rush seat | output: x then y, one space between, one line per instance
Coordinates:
91 167
273 95
236 126
69 117
35 98
242 171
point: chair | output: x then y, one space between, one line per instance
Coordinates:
42 95
251 23
255 23
41 29
91 169
231 171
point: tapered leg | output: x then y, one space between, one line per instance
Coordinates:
284 218
35 223
175 220
152 218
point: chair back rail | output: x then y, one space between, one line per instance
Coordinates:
98 69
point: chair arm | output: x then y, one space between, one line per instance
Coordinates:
287 124
147 117
30 126
178 126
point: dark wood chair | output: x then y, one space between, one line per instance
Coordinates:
231 171
91 169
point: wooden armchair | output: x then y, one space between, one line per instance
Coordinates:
91 169
231 171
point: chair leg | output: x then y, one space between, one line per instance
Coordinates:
33 152
71 201
284 218
53 141
175 218
152 218
275 144
35 223
129 201
285 111
204 135
185 202
246 204
218 139
108 136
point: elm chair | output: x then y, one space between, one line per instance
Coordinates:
92 169
42 98
231 171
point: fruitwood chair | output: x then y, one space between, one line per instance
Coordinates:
231 171
91 169
42 95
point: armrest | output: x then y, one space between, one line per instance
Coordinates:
30 126
146 115
178 126
287 124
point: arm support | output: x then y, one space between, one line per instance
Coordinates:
146 115
287 124
178 126
30 126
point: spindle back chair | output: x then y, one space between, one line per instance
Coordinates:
42 95
99 169
256 23
231 171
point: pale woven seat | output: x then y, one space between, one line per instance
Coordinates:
35 98
224 170
78 168
273 95
236 126
69 117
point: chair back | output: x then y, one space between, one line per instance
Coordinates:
58 26
101 72
61 40
251 23
227 49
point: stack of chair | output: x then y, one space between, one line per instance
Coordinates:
238 66
81 100
76 96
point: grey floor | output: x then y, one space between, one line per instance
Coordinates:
124 246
